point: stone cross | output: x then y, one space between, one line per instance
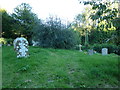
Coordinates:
34 43
80 47
90 51
104 51
21 47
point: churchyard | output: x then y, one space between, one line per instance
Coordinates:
59 68
57 52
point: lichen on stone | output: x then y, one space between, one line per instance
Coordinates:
21 47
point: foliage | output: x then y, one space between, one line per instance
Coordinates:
10 41
100 36
116 23
6 41
54 34
56 68
3 41
7 22
25 20
98 23
111 48
103 11
102 14
83 25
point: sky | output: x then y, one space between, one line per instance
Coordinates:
65 9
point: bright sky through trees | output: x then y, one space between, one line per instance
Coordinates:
65 9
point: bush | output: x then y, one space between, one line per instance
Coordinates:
86 47
10 41
111 48
55 35
118 50
55 38
66 39
3 41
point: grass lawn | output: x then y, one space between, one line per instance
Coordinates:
58 68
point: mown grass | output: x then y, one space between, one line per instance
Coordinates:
57 68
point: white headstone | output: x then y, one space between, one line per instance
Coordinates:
21 47
104 51
90 51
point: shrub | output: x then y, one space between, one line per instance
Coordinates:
10 41
118 50
85 48
55 38
55 35
3 41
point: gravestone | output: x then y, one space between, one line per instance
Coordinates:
104 51
21 47
8 45
90 51
95 52
80 48
34 43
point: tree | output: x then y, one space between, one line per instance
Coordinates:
25 20
103 14
7 22
83 24
116 23
54 34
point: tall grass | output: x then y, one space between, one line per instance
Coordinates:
56 68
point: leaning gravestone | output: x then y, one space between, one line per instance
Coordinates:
21 47
104 51
90 51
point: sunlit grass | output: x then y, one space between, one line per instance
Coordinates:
56 68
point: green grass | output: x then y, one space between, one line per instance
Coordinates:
56 68
0 68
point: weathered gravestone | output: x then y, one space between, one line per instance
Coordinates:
104 51
21 47
90 51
